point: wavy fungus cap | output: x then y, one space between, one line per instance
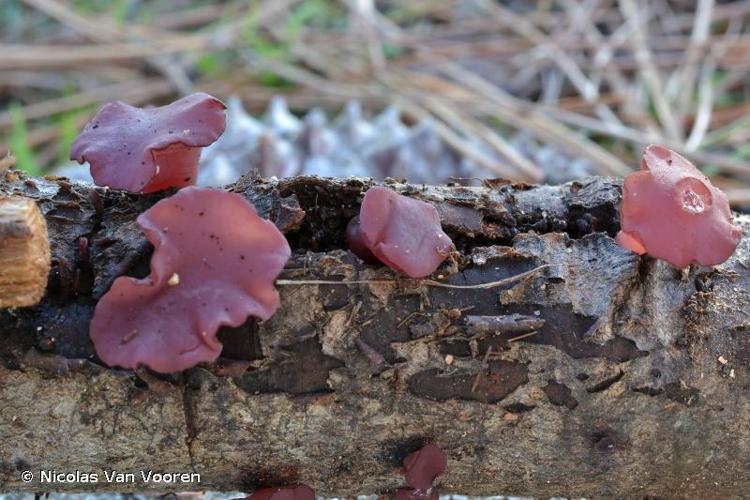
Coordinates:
671 211
149 149
214 263
403 233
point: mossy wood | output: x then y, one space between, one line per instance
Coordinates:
612 375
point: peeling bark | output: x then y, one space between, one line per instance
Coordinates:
627 378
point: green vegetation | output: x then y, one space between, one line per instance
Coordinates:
19 145
301 46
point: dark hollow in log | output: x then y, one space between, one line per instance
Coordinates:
632 381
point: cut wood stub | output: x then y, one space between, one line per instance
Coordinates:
24 252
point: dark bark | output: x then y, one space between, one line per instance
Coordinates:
618 376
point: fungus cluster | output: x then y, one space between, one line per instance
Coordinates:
421 469
150 149
671 211
401 232
214 263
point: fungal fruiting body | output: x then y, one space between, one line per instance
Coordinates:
401 232
671 211
423 466
356 242
300 492
150 149
214 263
413 494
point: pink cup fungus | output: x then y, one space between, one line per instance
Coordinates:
214 263
150 149
300 492
671 211
423 466
416 494
401 232
357 244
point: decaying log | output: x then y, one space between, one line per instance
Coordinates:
506 323
633 382
24 252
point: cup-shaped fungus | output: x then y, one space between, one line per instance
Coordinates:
416 494
671 211
356 242
423 466
300 492
401 232
150 149
214 263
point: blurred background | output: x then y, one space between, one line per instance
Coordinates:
434 91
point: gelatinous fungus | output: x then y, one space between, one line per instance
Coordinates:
357 244
401 232
416 494
300 492
671 211
149 149
423 466
214 263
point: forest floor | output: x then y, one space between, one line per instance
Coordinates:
593 79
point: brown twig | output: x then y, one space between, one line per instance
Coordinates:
6 163
479 375
428 282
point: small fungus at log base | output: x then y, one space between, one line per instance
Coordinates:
150 149
300 492
401 232
671 211
226 259
423 466
416 494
